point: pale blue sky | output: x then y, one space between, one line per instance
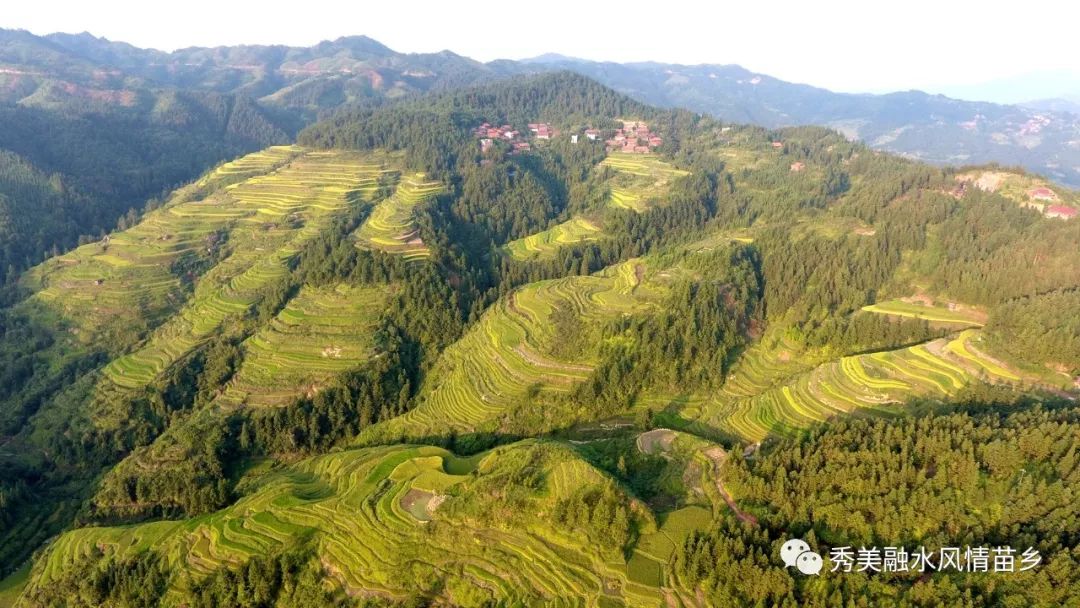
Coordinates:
838 44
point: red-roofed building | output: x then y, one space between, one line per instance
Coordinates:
797 166
634 138
592 134
1043 194
778 144
1061 211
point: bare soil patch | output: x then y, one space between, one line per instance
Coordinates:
656 441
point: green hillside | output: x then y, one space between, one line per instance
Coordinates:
385 367
391 522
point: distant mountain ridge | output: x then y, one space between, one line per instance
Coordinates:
933 128
302 82
168 116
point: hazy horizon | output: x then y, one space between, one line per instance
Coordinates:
839 45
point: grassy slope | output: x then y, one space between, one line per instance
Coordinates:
13 585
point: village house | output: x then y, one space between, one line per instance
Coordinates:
485 144
797 166
1042 194
541 130
778 144
634 137
592 134
486 131
1061 211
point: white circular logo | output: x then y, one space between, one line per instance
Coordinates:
797 553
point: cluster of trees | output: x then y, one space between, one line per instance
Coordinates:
290 579
857 333
98 580
37 215
818 277
991 251
599 513
691 341
435 130
987 476
622 459
1040 328
193 263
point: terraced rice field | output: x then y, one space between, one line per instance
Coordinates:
98 287
640 180
269 217
937 314
392 225
963 348
760 399
503 356
320 332
351 505
256 163
545 244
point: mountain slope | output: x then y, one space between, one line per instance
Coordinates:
156 119
105 141
308 343
933 128
302 82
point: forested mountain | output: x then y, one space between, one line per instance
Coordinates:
110 124
536 341
297 81
81 145
934 128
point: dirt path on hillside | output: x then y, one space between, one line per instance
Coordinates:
540 361
717 456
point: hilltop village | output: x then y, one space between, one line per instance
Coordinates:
634 137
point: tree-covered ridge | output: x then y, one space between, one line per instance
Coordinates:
435 130
1002 478
1043 327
